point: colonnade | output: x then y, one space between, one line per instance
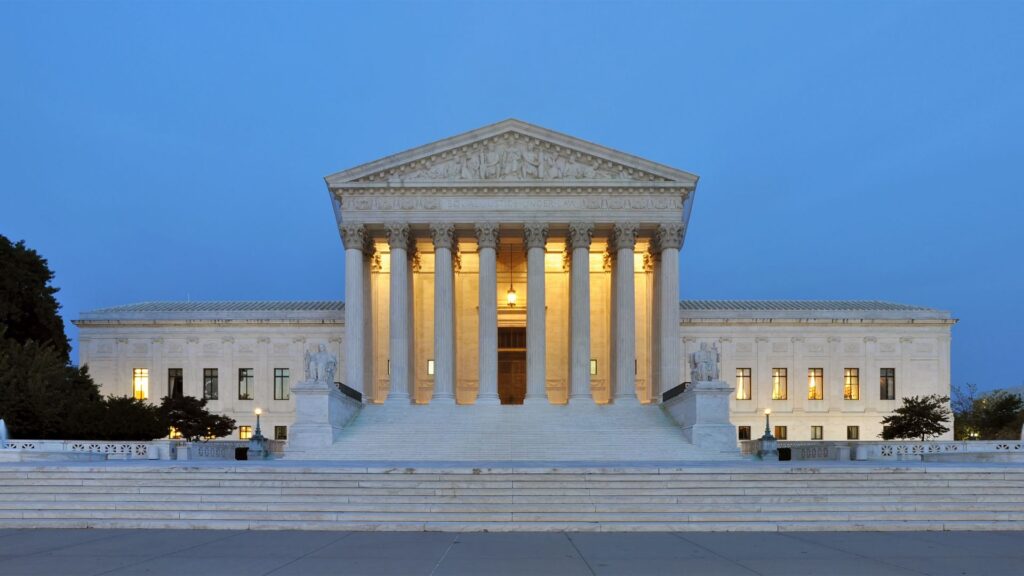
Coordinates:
664 242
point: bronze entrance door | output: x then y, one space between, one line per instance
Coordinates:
511 365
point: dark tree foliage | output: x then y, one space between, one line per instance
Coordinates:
28 307
189 416
126 418
919 417
40 395
993 416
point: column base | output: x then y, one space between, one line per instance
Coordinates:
535 401
488 400
447 400
397 397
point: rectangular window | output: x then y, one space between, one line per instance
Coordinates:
430 367
743 432
817 433
245 378
281 383
815 383
244 432
853 432
888 384
780 432
851 384
280 432
140 383
210 384
593 366
175 382
743 383
779 384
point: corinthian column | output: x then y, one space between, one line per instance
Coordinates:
487 244
536 237
398 314
354 237
444 314
579 313
624 307
668 240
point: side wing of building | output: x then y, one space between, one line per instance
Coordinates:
826 369
239 355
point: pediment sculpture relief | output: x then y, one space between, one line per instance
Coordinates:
511 158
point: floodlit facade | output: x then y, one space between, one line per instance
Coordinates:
513 265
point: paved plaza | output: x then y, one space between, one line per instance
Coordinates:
214 552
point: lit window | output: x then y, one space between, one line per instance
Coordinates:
815 383
851 384
593 366
210 383
779 384
888 384
244 432
817 432
743 383
743 432
245 378
430 367
281 376
853 432
175 382
780 432
280 432
140 383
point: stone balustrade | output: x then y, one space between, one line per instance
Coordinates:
887 450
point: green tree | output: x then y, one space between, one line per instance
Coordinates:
28 306
189 416
40 395
127 418
919 417
994 416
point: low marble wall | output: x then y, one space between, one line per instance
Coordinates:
888 450
152 450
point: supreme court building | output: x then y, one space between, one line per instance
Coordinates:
513 286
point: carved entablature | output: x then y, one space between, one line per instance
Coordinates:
511 157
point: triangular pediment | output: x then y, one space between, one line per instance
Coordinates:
508 152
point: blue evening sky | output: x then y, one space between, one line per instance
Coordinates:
861 150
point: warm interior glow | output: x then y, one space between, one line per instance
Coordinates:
140 383
510 297
258 411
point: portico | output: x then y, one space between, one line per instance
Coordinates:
511 225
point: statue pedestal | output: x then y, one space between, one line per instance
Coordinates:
321 411
702 411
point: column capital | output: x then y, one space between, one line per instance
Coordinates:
624 236
535 234
354 236
487 235
443 235
669 236
398 235
580 234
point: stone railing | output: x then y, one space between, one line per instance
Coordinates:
885 449
153 450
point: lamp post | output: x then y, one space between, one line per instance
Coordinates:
769 445
257 443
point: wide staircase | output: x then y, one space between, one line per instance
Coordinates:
581 431
724 496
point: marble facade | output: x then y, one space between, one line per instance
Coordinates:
588 239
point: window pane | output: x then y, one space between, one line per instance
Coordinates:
815 383
779 384
817 432
743 383
245 383
140 383
888 384
280 432
175 382
851 384
743 433
780 432
853 432
210 383
281 383
244 432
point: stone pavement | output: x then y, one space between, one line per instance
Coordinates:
233 553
